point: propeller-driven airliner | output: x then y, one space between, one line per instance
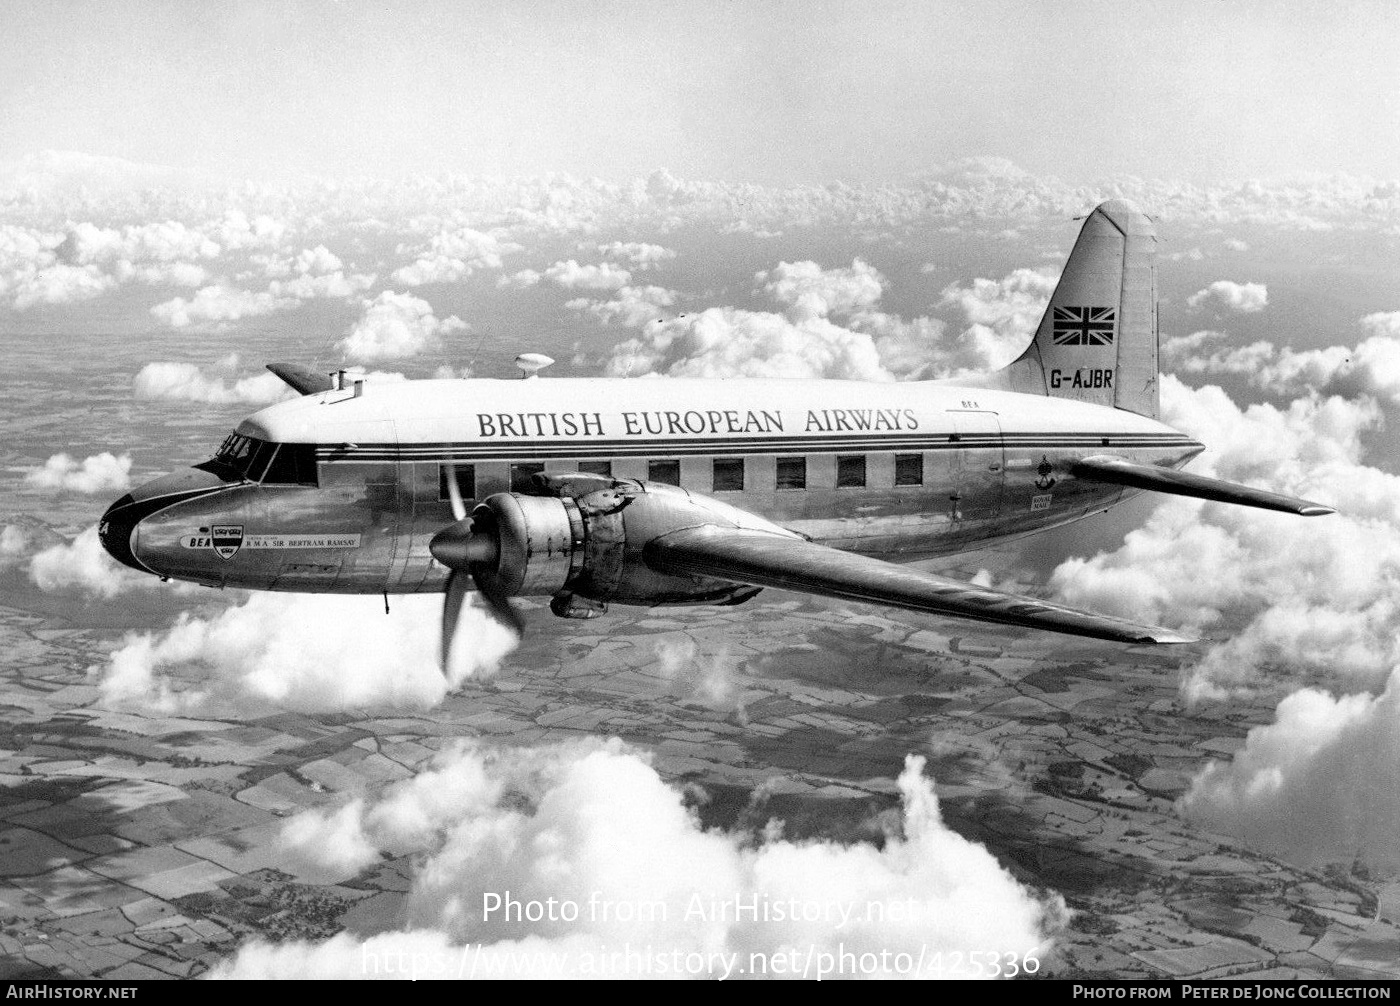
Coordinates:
597 491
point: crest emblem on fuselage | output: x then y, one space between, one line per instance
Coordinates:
226 539
1046 472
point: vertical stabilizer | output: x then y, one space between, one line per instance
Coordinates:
1098 339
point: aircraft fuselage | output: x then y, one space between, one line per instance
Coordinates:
342 492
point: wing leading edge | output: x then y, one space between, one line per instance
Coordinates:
768 560
1104 468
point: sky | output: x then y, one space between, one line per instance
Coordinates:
768 92
865 191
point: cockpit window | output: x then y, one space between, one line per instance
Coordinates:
294 465
260 461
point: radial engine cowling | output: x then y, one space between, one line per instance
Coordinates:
589 545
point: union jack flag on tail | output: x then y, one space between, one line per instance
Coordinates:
1083 326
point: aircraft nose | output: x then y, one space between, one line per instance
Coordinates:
117 530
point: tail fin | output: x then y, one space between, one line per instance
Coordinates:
1098 339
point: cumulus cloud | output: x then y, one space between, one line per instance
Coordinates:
185 382
1316 785
452 256
1002 316
631 306
308 652
103 472
1370 368
87 260
14 542
216 307
238 230
1175 348
809 291
636 253
1309 597
83 566
832 326
712 679
31 272
593 825
397 325
163 241
521 280
1246 298
728 342
573 276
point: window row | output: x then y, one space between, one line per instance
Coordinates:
726 474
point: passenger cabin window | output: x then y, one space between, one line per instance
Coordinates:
596 468
520 475
850 471
908 469
292 465
792 473
466 481
668 472
728 475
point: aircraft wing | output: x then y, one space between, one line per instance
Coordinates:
764 559
304 381
1104 468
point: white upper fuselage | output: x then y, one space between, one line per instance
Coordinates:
609 413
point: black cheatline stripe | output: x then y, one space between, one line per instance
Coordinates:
733 443
710 447
528 453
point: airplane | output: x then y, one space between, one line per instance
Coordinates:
592 491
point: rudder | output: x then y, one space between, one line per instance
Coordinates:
1097 341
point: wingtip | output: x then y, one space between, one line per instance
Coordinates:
1168 637
1316 510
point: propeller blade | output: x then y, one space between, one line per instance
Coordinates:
458 584
454 493
471 556
497 601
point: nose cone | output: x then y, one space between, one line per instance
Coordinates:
120 527
117 531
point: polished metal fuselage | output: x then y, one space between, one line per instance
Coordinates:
992 465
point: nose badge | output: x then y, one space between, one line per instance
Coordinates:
227 539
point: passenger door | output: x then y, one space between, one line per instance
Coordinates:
980 468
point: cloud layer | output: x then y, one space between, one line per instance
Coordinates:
103 472
309 652
1315 596
396 325
591 829
1316 785
1246 298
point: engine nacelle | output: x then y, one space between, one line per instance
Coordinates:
587 542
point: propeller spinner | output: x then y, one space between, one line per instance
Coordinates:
471 553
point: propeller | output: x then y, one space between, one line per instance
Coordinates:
471 553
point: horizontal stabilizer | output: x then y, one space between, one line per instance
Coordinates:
1116 471
304 381
769 560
